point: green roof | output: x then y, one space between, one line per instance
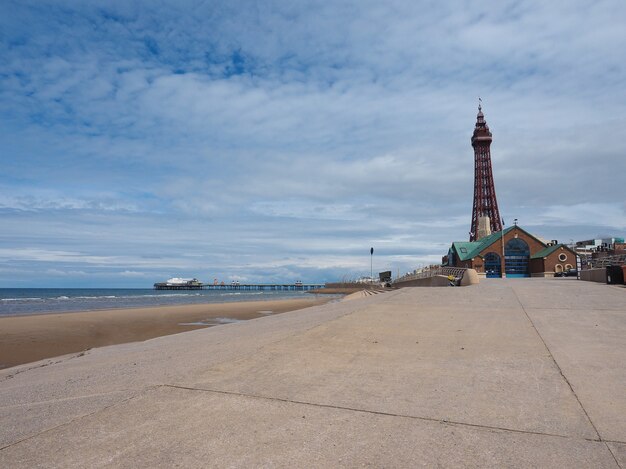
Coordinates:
467 250
547 251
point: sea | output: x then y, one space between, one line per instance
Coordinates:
23 301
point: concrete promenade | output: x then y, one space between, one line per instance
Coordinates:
509 373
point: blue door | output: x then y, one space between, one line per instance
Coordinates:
516 258
492 265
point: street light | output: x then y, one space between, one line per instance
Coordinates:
371 265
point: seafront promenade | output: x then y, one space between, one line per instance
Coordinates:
508 373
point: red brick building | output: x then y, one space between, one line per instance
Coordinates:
513 251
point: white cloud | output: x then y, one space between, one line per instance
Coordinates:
608 215
66 273
133 274
31 203
290 136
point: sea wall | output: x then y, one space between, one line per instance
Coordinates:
593 275
470 277
435 281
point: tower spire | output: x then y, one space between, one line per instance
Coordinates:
485 203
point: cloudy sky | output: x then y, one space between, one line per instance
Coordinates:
280 140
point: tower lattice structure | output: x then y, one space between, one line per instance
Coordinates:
485 203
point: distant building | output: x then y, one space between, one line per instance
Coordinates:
601 245
514 252
177 283
601 252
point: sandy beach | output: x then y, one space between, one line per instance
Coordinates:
25 339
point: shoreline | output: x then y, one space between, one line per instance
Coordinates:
336 295
68 301
31 337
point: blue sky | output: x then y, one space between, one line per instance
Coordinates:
277 141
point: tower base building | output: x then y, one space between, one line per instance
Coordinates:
512 252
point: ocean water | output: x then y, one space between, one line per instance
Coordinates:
21 301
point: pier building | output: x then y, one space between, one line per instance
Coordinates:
179 284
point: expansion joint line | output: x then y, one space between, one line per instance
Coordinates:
367 411
48 362
70 422
565 378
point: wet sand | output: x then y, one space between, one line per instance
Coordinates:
25 339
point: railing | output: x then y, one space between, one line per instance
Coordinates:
457 272
355 285
266 286
600 262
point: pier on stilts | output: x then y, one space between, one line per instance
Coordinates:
245 287
267 286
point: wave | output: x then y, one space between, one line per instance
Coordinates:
21 299
74 300
108 297
247 293
96 297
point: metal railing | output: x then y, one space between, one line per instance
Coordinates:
600 262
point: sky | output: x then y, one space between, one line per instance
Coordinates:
278 141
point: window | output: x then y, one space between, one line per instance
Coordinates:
516 258
562 257
492 265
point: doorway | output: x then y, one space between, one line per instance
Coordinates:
493 267
516 258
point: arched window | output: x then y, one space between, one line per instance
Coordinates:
516 258
492 265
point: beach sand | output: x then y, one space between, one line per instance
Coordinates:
25 339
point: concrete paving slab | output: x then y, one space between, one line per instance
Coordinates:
91 379
23 421
619 451
485 367
567 293
584 326
590 348
374 378
168 427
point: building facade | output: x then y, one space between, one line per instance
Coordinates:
512 252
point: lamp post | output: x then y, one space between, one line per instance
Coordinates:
371 265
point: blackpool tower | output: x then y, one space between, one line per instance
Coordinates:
485 214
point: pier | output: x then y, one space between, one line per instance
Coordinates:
244 286
166 286
267 286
